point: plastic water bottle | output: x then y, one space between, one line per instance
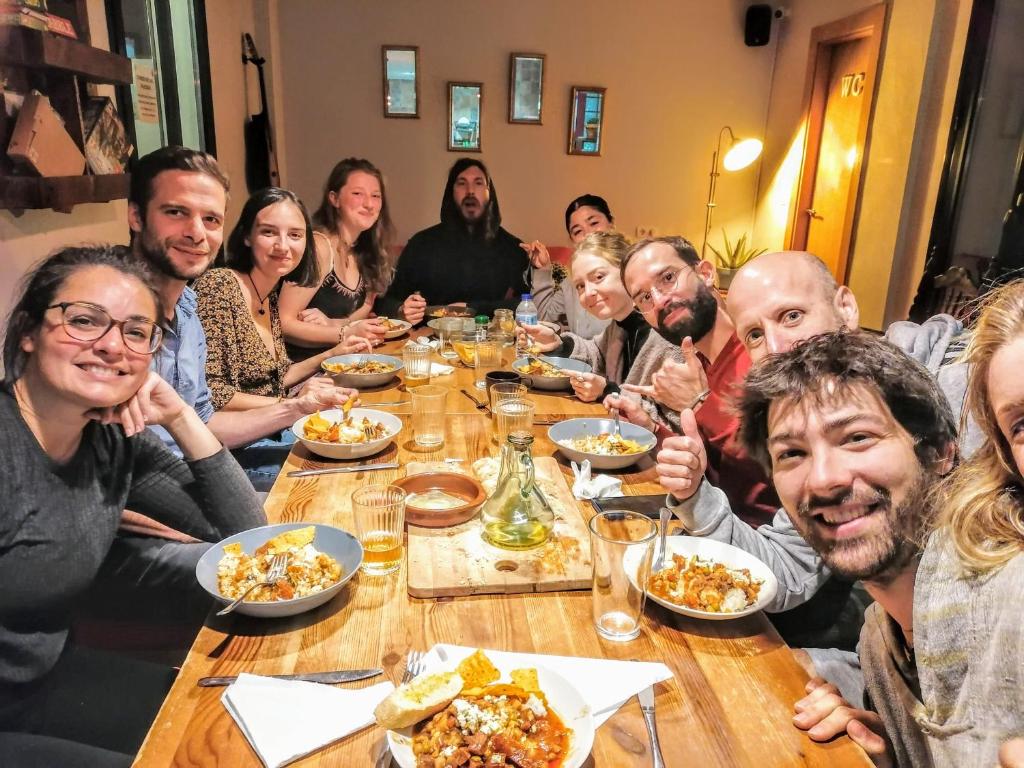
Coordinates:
526 314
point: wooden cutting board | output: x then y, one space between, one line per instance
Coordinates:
454 561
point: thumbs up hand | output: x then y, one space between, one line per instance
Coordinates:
682 460
676 385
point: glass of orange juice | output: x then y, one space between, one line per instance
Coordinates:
379 512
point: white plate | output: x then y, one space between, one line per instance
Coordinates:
391 423
394 333
562 697
709 549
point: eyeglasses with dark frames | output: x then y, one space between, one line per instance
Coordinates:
88 322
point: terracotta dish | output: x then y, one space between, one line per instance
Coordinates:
450 483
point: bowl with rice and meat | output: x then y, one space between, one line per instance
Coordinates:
595 440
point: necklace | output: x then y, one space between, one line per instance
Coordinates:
263 299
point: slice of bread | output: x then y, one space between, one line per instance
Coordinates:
418 699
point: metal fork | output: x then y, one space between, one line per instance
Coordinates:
277 568
413 665
482 407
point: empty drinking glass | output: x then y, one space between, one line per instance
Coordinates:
447 329
513 416
428 415
621 545
501 392
488 358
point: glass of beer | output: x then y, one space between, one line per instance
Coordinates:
379 512
416 361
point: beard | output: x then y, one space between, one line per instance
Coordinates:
703 310
472 213
155 254
881 554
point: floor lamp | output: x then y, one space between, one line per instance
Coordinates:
739 153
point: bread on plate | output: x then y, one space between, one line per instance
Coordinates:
418 699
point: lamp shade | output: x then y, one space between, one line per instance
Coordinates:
741 154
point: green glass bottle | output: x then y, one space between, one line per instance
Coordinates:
514 517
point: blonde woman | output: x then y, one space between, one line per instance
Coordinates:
969 599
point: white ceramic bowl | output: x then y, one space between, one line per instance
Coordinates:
402 328
562 696
391 423
362 380
550 382
339 544
719 552
564 431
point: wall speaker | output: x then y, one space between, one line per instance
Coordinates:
758 26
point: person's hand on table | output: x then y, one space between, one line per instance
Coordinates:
629 408
677 386
825 714
320 392
544 337
414 308
313 316
155 403
538 253
587 386
682 460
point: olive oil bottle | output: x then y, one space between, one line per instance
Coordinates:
514 517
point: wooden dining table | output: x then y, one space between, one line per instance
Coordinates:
729 703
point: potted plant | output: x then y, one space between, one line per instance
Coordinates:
732 257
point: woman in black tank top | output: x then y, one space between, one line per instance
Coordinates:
353 229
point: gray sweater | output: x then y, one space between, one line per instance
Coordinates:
59 521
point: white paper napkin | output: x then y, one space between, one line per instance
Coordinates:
604 684
440 369
432 343
597 487
287 719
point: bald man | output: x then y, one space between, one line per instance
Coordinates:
781 298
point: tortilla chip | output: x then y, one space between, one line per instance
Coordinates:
477 670
526 679
316 427
290 540
233 549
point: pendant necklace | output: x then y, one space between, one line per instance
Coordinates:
263 299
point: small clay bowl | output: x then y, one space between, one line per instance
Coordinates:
452 483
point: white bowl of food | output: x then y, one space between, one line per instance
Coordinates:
362 371
332 435
322 559
395 327
532 708
594 440
549 373
707 579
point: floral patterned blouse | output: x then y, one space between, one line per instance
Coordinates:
237 360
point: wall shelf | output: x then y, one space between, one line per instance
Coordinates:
61 193
35 49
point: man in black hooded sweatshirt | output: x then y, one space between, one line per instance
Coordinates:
468 257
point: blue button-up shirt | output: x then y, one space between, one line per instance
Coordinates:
181 361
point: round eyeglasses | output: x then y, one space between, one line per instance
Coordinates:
664 283
87 322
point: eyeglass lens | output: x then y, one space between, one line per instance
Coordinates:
88 323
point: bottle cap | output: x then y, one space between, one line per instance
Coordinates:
481 320
527 297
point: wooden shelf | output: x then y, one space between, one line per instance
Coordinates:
31 48
61 192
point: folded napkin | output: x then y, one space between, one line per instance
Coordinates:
605 685
440 369
597 487
287 719
422 342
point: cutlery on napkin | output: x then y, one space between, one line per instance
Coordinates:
586 486
604 684
338 676
284 720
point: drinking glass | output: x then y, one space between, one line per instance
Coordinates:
506 325
428 415
447 329
379 512
619 581
513 416
488 358
416 361
500 393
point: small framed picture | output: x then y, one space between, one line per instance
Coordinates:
401 80
464 109
526 88
586 120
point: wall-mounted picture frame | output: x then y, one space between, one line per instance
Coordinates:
586 120
465 106
401 71
525 88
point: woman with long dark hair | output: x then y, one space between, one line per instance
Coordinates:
352 232
77 396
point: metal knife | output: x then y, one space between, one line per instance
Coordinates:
646 697
339 676
332 470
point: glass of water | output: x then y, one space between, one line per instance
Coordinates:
621 547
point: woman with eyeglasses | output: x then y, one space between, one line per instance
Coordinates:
626 351
75 402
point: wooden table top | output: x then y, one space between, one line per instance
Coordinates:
729 704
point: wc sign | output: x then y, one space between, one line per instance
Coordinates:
853 85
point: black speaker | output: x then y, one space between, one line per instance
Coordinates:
758 27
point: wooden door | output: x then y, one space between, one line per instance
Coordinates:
842 71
